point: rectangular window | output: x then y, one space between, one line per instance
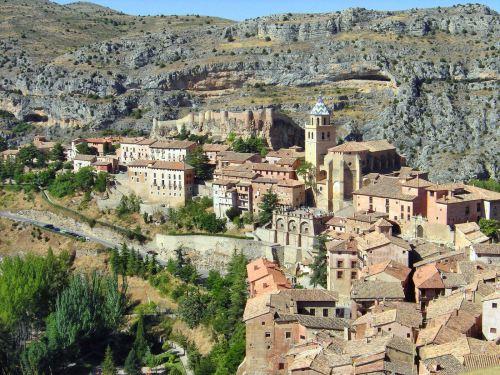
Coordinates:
494 305
387 202
340 264
408 209
281 366
268 334
478 207
402 208
340 275
467 210
354 264
370 199
288 334
386 209
325 312
493 330
312 311
354 275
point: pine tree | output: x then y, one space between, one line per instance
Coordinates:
140 343
132 364
124 259
114 261
108 365
319 266
268 205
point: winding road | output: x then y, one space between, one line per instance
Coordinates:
22 219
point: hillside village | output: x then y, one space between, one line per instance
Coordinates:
292 194
358 263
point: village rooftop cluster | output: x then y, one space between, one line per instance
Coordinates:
412 282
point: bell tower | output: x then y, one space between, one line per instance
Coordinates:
319 134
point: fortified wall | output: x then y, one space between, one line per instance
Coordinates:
277 129
213 252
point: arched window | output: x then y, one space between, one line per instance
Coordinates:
317 120
324 120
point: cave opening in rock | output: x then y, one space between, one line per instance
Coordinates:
35 117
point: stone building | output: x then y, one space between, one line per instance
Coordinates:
265 277
319 133
81 161
295 230
401 319
161 181
277 322
345 165
491 316
212 151
488 253
343 265
132 149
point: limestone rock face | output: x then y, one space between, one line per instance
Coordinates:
426 79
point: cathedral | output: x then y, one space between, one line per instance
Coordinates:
340 168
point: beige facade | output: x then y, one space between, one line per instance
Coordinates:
132 149
491 316
170 183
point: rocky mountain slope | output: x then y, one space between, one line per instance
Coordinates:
427 79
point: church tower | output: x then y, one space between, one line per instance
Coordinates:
319 134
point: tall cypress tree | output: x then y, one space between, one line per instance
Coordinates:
108 365
140 343
132 364
319 266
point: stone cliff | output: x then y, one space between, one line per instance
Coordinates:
426 79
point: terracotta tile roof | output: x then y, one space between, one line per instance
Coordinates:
428 277
146 142
285 153
494 295
444 365
235 157
271 167
318 322
349 147
453 280
131 140
340 246
463 192
336 221
479 361
367 217
372 240
439 257
140 163
257 306
437 335
309 295
171 165
214 147
487 248
82 157
379 145
416 183
404 317
385 187
477 270
287 161
458 348
173 144
377 290
390 267
383 223
451 303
